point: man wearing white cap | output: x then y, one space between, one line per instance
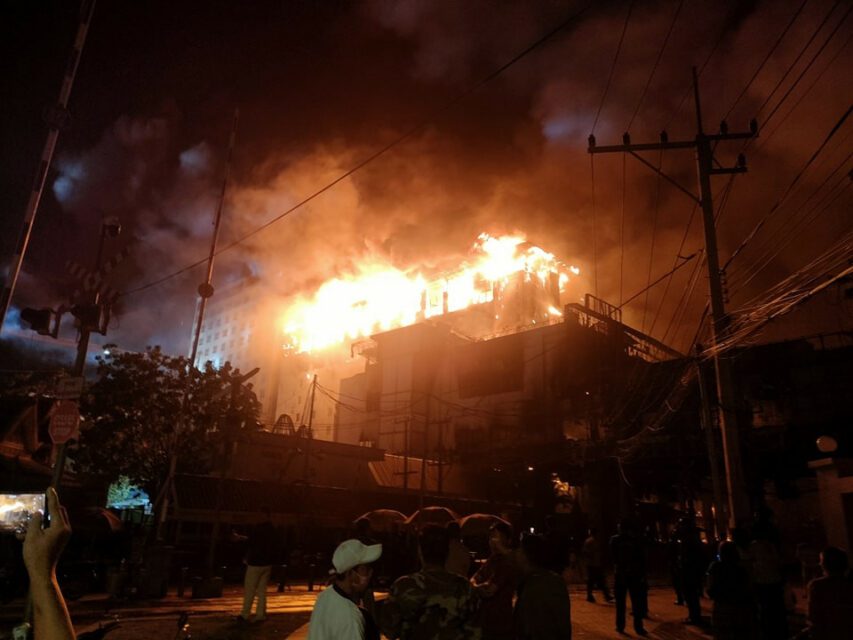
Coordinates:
336 614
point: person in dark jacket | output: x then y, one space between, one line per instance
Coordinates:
495 584
262 553
594 564
733 614
629 567
542 609
692 563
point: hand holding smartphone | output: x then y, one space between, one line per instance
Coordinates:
17 509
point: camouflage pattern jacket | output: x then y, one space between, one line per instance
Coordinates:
431 604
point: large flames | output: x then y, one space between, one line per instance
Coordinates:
380 297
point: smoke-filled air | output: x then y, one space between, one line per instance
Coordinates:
437 155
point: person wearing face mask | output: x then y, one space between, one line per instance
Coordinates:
337 614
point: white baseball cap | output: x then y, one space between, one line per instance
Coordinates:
351 553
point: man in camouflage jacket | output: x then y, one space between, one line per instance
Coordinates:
433 603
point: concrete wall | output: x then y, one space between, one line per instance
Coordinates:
835 484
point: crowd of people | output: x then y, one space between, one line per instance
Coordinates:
519 594
516 594
512 596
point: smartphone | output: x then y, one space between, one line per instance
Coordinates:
16 510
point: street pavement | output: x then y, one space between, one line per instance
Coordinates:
213 618
597 621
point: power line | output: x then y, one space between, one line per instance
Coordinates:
675 262
771 241
788 190
766 138
652 285
654 233
655 66
687 91
767 57
723 195
613 66
800 55
380 152
830 267
774 249
809 65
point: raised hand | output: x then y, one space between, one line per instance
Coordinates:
42 547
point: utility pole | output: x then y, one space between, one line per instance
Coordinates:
310 432
703 145
405 422
89 319
426 447
713 455
230 431
56 117
406 456
205 291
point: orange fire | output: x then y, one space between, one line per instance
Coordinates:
380 297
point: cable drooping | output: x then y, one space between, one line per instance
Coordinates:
656 64
808 66
789 189
765 138
613 66
830 267
767 57
799 55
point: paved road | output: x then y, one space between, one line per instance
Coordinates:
213 618
597 621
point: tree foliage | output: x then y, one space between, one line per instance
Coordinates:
144 406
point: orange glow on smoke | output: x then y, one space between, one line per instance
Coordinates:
381 297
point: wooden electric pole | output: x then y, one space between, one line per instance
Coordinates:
703 145
309 433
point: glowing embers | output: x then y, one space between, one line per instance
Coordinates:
380 297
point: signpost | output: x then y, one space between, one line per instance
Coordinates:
69 388
64 421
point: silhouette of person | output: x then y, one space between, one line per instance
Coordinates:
830 598
733 614
629 566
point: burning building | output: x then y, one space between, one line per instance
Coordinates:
504 286
483 382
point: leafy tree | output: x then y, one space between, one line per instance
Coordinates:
135 416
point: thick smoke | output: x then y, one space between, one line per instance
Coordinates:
510 157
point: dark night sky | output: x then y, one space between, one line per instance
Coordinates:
321 85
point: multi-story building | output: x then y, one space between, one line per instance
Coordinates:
239 327
242 325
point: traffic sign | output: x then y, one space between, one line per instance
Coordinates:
64 421
69 388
